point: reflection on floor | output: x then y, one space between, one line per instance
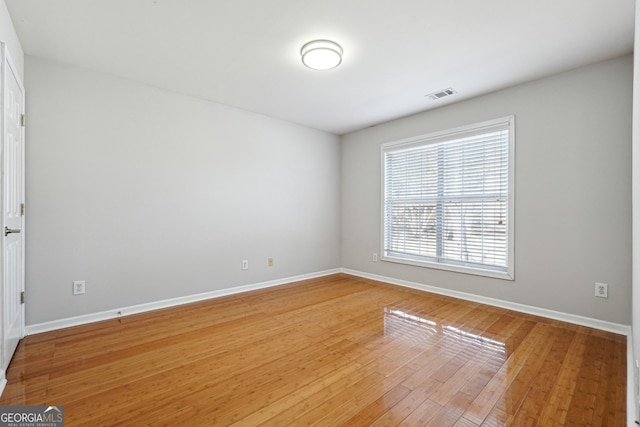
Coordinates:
416 330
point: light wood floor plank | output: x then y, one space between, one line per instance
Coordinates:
337 350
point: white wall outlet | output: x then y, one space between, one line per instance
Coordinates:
245 264
270 262
78 287
374 258
602 290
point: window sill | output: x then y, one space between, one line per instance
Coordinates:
503 275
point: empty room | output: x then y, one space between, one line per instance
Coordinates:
282 213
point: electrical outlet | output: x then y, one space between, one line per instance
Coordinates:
245 264
78 287
375 257
602 290
270 262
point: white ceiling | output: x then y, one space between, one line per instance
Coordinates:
246 53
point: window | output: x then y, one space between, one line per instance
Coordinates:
448 199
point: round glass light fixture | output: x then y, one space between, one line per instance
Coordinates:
321 54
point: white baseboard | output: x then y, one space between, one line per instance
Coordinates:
142 308
537 311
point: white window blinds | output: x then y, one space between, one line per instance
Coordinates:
446 198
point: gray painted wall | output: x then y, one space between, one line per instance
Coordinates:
572 183
149 195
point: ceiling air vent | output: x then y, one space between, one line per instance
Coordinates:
441 94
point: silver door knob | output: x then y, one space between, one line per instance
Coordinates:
8 230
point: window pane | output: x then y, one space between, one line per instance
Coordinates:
475 232
412 229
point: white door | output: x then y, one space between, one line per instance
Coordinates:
12 207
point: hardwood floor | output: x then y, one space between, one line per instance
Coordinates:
333 351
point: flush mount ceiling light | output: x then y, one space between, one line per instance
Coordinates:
321 54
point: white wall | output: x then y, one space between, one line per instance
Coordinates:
149 195
9 36
572 183
635 327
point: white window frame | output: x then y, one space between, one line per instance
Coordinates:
507 272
